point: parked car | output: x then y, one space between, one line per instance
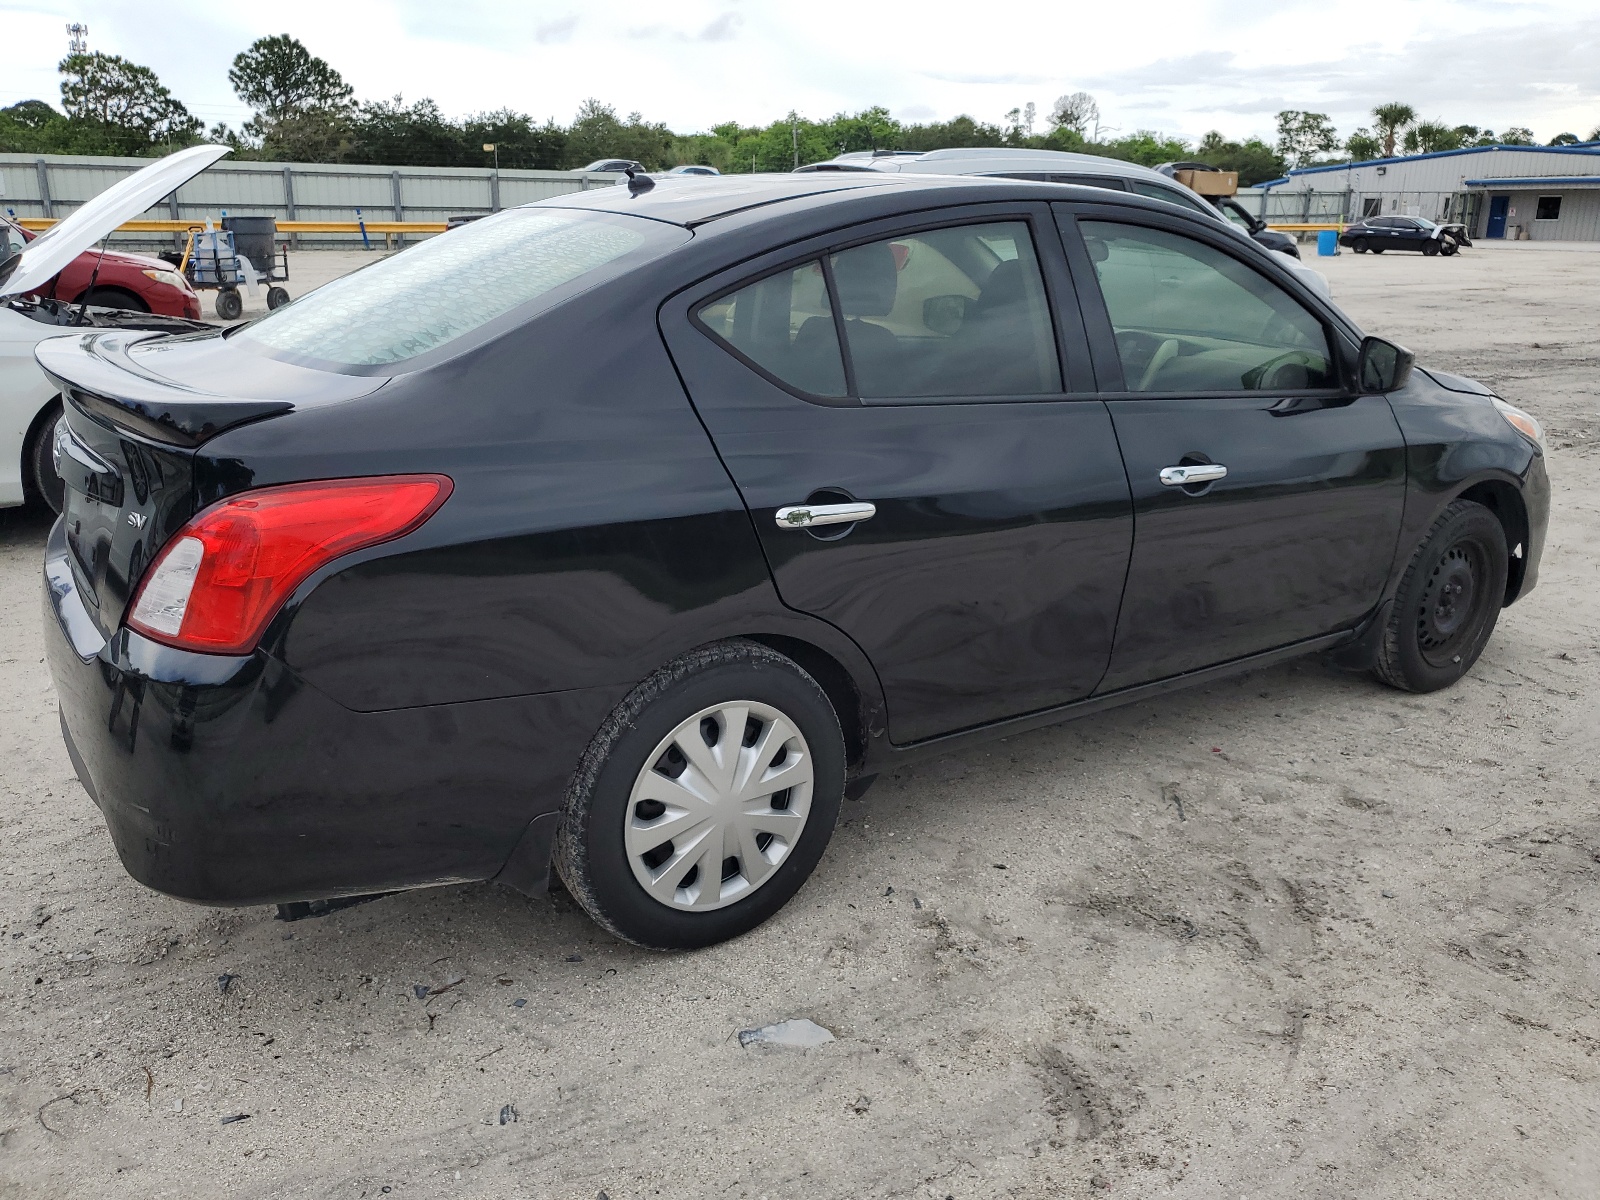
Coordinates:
41 297
694 169
610 164
115 279
1378 234
821 474
1230 208
1058 166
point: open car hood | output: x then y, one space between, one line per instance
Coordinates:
45 257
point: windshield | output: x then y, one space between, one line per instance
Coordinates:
1424 223
453 283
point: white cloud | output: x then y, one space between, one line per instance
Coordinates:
1181 66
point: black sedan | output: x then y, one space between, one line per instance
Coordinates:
1378 234
629 531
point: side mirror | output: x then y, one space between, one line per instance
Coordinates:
1383 366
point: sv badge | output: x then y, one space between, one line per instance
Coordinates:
137 520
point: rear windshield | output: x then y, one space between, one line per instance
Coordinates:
444 288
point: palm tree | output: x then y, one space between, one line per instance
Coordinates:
1390 119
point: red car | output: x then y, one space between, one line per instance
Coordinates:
132 281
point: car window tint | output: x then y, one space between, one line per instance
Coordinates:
433 293
1171 195
783 324
948 312
1109 182
1190 318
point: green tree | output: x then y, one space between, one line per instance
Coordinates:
125 103
394 133
1518 135
303 106
520 143
1255 161
1430 137
1564 139
1078 112
1362 145
597 132
1144 146
1304 135
1390 120
1471 135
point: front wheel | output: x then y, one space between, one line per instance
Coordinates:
1359 245
229 304
706 799
1448 601
1430 249
277 297
41 462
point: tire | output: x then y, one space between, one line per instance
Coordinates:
277 297
603 852
1359 245
229 304
111 297
1430 249
1448 601
40 461
1449 248
1377 249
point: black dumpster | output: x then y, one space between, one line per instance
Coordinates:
253 237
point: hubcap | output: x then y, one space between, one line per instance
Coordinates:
719 805
1449 603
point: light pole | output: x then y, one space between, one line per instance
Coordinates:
493 148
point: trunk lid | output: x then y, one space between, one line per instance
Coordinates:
138 407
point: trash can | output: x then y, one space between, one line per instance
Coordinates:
254 237
1327 242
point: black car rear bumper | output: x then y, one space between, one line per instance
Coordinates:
232 781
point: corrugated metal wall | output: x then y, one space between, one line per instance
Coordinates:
1579 220
52 185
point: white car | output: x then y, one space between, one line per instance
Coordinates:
29 403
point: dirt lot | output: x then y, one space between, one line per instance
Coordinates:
1293 935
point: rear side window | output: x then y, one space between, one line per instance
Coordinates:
784 325
1188 317
948 312
452 284
1172 195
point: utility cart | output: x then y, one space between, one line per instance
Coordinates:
244 251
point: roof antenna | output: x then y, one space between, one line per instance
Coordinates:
638 181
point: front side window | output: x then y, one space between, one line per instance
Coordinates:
784 325
947 312
428 296
1189 318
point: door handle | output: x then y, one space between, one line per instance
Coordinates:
1199 473
806 516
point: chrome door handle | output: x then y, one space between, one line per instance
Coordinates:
804 516
1199 473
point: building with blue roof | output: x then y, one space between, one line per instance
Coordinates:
1538 193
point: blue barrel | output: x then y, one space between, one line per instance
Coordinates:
1327 242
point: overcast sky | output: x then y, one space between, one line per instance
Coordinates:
1178 66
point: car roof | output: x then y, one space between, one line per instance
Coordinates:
988 159
691 201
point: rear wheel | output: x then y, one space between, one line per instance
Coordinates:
705 800
229 304
1448 601
40 461
277 297
1377 249
1430 249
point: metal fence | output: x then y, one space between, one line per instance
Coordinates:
1303 206
52 185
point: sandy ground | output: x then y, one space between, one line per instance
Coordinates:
1291 935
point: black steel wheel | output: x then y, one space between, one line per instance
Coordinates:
40 460
229 304
1430 249
1359 245
277 297
706 799
1448 601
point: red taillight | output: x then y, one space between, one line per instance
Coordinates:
223 577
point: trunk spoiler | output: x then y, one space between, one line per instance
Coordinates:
97 373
